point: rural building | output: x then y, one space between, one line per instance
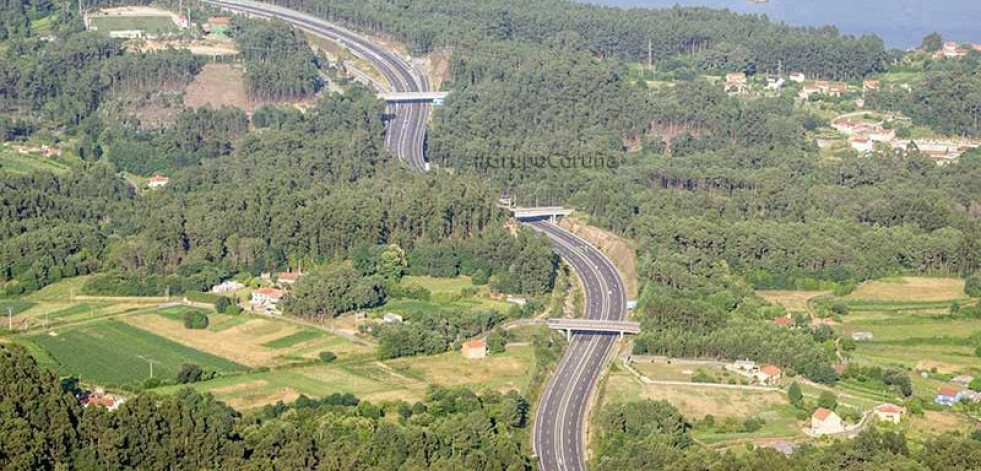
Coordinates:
287 278
736 82
862 335
774 83
631 305
889 413
267 299
797 77
392 318
783 446
952 50
947 396
474 349
834 89
784 321
862 145
825 421
517 300
962 380
157 181
100 398
227 287
839 368
870 85
769 374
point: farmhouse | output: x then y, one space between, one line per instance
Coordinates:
267 299
834 89
157 181
474 349
797 77
392 318
100 398
743 365
769 374
947 396
870 85
889 413
825 421
736 82
287 278
227 287
952 50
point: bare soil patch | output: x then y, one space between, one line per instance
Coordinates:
910 288
201 47
219 85
286 395
620 250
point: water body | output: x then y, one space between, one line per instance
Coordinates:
900 23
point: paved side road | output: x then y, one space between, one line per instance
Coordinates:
559 433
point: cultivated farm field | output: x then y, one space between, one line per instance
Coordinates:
114 353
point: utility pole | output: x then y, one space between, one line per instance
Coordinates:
10 319
650 55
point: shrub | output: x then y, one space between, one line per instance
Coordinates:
972 285
480 277
195 320
327 357
232 309
189 373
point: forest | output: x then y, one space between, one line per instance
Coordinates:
42 427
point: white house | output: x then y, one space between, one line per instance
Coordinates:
863 145
862 335
267 299
392 318
157 181
769 374
797 77
825 421
889 413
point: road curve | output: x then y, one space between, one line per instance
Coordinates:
406 134
559 433
562 412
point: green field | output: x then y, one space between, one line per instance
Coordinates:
76 309
62 290
111 352
148 24
295 338
15 162
14 306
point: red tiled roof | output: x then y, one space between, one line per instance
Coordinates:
771 370
947 391
783 321
273 292
288 276
219 20
475 343
821 413
159 178
891 408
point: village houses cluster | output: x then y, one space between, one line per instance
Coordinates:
265 300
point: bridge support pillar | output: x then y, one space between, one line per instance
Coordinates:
568 335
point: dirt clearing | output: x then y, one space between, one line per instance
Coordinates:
219 85
620 250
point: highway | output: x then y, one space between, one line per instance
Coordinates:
406 135
562 412
559 435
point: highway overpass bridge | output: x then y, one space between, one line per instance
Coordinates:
533 213
414 97
607 326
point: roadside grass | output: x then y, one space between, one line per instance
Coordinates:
294 338
115 353
77 309
177 313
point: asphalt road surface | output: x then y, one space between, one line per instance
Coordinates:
406 135
559 424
